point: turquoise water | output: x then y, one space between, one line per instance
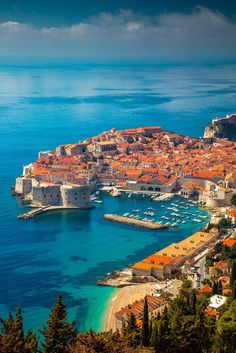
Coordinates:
42 106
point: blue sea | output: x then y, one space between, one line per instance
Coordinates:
44 105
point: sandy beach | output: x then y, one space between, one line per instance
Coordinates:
129 294
121 298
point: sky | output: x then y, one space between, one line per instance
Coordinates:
164 30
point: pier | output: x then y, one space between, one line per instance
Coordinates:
31 214
135 222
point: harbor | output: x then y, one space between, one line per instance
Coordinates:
147 224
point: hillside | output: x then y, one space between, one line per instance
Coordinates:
222 128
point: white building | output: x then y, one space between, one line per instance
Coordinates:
216 301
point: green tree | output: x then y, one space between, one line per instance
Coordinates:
224 224
145 324
187 284
59 334
220 288
131 324
215 288
132 334
165 339
233 200
194 301
154 341
226 331
18 333
234 291
233 273
31 342
7 331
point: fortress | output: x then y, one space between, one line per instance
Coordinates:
69 196
224 127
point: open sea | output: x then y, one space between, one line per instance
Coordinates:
42 106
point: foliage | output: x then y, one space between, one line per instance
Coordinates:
182 327
106 342
145 325
12 338
226 331
233 273
59 333
224 224
233 200
186 284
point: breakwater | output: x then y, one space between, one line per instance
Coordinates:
31 214
135 222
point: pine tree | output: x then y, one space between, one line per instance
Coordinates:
7 331
214 288
233 273
164 340
18 333
131 325
194 301
220 288
145 325
59 333
31 342
154 337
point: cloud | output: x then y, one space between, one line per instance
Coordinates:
202 34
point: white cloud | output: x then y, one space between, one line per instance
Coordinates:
202 34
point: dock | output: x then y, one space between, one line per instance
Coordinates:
32 213
135 222
164 197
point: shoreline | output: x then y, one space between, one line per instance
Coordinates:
123 296
118 300
129 294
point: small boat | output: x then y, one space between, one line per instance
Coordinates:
98 201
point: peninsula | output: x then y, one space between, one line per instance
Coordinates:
144 159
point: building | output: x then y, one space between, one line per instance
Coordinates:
230 242
214 196
154 265
69 196
165 262
216 301
105 148
23 185
155 305
232 215
188 247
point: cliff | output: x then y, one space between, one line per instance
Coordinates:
222 128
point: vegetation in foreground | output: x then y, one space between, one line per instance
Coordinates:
185 326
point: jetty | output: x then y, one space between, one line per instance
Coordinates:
32 213
135 222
